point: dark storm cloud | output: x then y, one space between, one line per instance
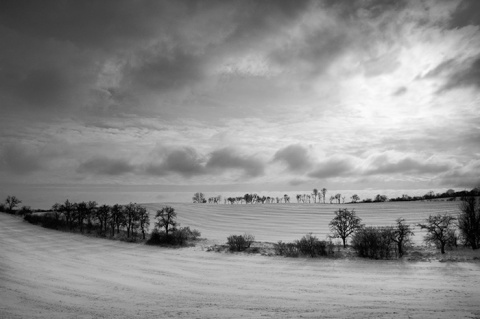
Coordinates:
184 161
294 156
332 168
383 165
226 159
466 14
20 159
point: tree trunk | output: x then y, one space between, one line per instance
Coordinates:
442 247
344 242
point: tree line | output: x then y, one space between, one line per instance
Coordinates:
124 222
383 242
319 196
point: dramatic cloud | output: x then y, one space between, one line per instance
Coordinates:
367 93
383 165
333 167
466 14
226 159
184 161
467 176
295 157
20 159
106 166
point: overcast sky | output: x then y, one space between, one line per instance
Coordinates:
287 94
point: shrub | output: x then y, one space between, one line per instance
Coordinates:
34 219
24 211
192 234
240 242
2 207
177 237
374 242
307 245
310 245
286 249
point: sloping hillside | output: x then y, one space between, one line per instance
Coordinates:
274 222
51 274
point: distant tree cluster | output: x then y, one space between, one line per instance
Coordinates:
105 220
124 222
431 195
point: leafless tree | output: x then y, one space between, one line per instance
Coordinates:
401 234
324 192
469 221
439 230
166 219
315 194
344 224
11 202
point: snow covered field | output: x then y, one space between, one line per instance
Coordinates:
288 222
51 274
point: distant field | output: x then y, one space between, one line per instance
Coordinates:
274 222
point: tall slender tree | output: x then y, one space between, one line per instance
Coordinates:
324 193
315 194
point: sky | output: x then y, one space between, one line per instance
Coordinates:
240 95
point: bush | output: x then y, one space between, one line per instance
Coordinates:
374 242
25 210
192 234
34 219
2 208
310 245
177 237
286 249
240 242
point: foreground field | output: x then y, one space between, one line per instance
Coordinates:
50 274
287 222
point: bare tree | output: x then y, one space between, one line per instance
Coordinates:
131 218
11 202
355 198
143 219
199 198
68 211
338 197
439 230
103 214
57 212
469 221
401 234
344 224
324 192
81 212
117 219
315 194
166 219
